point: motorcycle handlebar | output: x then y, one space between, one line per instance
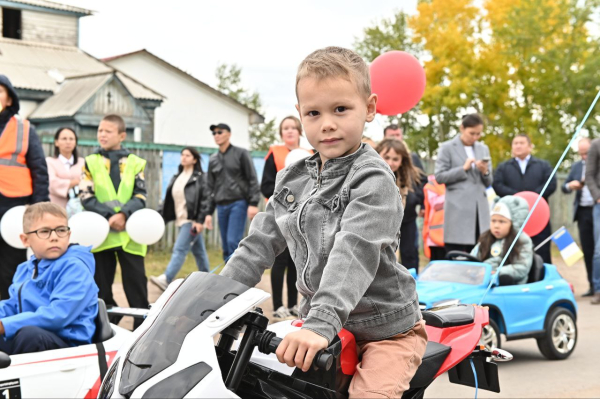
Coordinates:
323 359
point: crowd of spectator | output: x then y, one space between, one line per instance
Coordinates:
452 201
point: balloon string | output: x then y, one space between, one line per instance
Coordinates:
537 201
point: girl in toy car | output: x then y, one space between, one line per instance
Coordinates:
507 217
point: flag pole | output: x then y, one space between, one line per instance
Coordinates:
541 244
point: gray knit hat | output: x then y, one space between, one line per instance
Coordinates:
513 208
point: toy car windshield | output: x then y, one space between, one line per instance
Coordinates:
199 296
454 272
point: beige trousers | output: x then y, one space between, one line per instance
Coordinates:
386 367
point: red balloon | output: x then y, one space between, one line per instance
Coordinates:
540 217
398 79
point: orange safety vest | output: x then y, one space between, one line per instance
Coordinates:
279 153
15 176
433 222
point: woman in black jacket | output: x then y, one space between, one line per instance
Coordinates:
183 203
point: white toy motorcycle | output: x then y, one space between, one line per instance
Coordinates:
173 354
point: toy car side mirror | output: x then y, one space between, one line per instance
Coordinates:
5 360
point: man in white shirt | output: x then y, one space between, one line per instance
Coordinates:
583 207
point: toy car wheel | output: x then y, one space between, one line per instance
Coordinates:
490 335
560 335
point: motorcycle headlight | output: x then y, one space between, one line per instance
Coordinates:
446 302
179 384
108 385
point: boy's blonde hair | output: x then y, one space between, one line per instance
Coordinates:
336 62
37 211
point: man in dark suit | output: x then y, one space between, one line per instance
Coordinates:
526 173
583 207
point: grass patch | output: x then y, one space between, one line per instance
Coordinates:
157 261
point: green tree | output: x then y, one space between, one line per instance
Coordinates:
542 71
528 66
262 135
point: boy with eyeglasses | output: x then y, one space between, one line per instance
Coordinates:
53 299
232 187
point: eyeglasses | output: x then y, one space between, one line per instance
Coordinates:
45 233
218 132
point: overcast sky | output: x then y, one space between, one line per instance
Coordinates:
267 39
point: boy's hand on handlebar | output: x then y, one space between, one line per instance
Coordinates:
299 348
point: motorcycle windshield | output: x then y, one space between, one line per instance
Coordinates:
454 272
197 298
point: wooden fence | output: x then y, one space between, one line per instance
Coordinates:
561 204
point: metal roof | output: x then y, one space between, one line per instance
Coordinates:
73 94
138 90
42 66
54 6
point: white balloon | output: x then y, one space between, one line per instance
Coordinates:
88 229
296 155
11 226
145 226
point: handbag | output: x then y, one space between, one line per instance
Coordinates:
74 203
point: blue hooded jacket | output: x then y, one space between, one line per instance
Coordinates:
62 298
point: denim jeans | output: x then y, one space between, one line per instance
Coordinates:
596 260
232 223
186 242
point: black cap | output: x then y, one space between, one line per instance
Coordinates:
220 126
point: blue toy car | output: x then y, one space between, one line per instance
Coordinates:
544 308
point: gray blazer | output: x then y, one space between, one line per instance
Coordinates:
466 199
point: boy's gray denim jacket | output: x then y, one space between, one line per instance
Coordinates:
342 227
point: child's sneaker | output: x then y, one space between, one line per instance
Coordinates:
295 311
282 314
160 281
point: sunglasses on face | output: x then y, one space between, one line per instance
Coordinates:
45 233
215 132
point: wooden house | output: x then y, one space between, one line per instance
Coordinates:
59 84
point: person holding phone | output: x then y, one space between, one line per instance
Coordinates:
525 172
183 203
464 166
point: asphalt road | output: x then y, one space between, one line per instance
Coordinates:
529 375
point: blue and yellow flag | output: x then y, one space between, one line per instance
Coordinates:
567 246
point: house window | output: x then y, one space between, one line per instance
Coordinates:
11 23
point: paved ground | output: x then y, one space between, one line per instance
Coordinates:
529 375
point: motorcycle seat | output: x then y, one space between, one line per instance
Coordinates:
434 357
450 316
